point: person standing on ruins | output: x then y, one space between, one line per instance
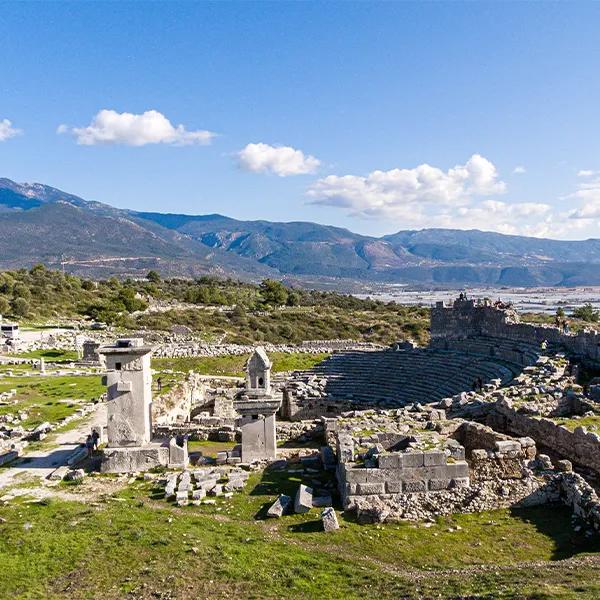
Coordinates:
89 444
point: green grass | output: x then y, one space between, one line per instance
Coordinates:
139 544
233 366
592 423
49 398
51 355
209 448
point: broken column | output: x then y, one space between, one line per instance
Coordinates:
257 407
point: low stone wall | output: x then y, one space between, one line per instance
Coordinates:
579 446
183 349
400 472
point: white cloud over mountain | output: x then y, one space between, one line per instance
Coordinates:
7 130
150 127
459 198
588 194
382 193
277 160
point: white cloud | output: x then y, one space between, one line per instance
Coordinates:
150 127
7 131
279 160
589 195
519 170
585 173
385 193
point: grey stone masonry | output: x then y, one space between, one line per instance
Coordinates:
403 472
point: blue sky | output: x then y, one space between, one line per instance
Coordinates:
372 116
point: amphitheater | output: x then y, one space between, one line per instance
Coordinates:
473 343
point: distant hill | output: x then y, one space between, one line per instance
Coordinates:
39 223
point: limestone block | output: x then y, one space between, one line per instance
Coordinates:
185 484
280 507
460 482
393 487
329 518
234 485
216 490
58 474
364 489
75 475
377 475
134 459
412 459
434 458
356 475
457 470
507 446
198 494
439 484
389 461
414 486
303 501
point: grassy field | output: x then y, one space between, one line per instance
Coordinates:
49 398
234 365
134 544
51 355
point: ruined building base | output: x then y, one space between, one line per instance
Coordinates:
165 453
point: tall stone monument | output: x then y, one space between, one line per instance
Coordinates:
257 407
129 440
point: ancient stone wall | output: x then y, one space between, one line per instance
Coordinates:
468 318
578 446
402 473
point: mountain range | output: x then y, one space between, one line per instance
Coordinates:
39 223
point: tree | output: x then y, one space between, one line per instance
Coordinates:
560 312
273 292
293 299
20 307
586 313
153 276
4 306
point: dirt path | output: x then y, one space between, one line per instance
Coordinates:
42 462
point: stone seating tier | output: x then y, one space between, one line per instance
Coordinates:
397 378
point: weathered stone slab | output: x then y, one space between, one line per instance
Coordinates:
329 519
280 507
434 458
390 461
364 489
198 494
303 501
412 459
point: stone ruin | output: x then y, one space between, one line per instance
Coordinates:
257 406
471 423
130 444
462 425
